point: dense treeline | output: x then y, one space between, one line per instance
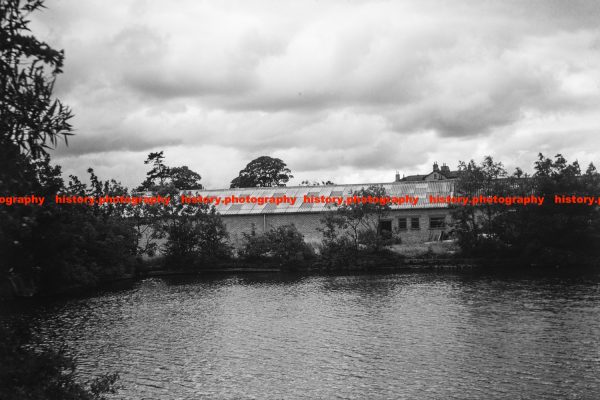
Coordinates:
551 234
53 246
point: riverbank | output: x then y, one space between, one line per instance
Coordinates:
16 286
421 258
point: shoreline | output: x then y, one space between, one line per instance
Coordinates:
237 267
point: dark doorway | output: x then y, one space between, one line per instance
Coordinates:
385 227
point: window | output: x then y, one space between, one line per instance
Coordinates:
437 222
414 223
402 225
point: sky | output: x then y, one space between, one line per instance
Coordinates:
348 91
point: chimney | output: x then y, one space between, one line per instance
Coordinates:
435 167
397 176
445 169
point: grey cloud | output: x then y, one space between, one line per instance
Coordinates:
111 141
342 84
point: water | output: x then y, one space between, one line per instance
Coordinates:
415 335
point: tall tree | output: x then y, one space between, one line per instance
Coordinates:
30 117
162 177
41 244
158 174
263 172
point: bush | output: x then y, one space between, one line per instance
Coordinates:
194 237
335 249
283 244
31 374
59 246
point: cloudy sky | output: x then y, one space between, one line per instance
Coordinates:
343 90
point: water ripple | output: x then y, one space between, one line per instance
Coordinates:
427 336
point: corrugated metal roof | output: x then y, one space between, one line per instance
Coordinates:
421 189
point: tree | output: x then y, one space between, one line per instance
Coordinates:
161 177
213 237
263 172
45 242
157 175
195 234
474 224
362 220
184 178
75 244
558 233
316 183
550 234
336 248
591 170
30 117
153 223
49 247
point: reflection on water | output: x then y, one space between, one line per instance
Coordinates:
417 335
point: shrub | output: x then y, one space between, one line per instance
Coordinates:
27 373
335 249
194 237
283 243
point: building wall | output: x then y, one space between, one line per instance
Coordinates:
308 223
425 232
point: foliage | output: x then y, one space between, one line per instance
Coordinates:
549 234
213 236
336 248
150 221
555 233
184 178
361 221
157 174
44 245
27 373
58 246
181 247
474 225
195 235
263 172
283 243
316 183
29 116
161 176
